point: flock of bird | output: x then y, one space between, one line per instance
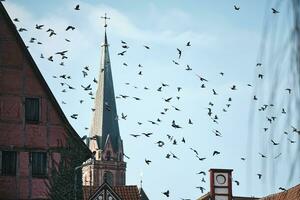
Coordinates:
212 114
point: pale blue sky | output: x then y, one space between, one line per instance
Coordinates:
222 39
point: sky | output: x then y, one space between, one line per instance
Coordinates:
222 40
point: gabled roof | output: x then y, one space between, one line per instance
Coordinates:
128 192
40 77
291 194
105 189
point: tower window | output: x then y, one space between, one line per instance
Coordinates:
9 162
39 164
108 155
108 177
32 110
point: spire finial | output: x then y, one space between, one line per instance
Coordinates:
105 18
141 181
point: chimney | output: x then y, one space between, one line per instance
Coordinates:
220 184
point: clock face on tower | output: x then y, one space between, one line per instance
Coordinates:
221 179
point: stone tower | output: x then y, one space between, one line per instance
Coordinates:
105 140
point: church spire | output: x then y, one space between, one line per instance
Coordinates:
105 127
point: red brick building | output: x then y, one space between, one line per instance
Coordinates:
32 125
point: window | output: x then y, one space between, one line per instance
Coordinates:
9 162
39 164
32 109
107 155
108 177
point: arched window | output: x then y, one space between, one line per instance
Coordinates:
108 177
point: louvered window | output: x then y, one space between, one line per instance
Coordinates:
9 162
32 110
39 164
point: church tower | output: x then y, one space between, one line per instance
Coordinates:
105 140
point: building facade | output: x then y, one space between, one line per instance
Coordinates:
33 128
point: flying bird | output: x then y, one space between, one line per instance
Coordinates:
121 53
188 44
77 7
39 27
259 176
188 68
135 135
274 11
70 28
179 53
123 116
74 116
274 143
216 153
147 134
201 188
167 193
148 161
201 78
237 182
202 172
236 7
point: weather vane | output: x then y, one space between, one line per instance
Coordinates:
105 18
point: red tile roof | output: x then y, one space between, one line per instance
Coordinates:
291 194
208 197
128 192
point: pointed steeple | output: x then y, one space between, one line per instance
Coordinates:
105 127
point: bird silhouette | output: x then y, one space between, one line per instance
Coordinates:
214 92
179 53
123 116
77 7
147 47
201 78
121 53
74 116
135 135
216 153
39 27
188 44
237 182
167 193
262 155
202 172
148 161
274 143
282 188
147 134
176 63
175 125
168 99
160 143
274 11
236 7
87 88
70 28
188 68
259 176
201 188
